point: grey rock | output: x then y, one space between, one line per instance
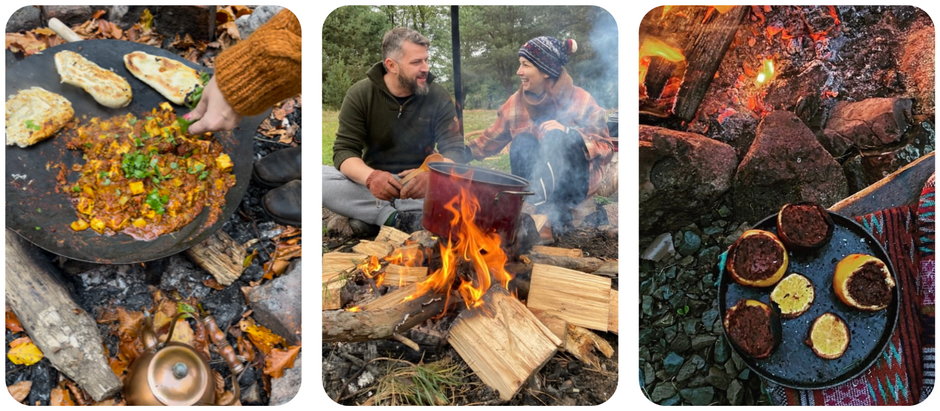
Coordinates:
710 231
116 13
724 211
698 396
689 243
690 367
709 317
785 164
284 389
277 303
744 374
68 14
718 378
661 247
647 305
671 400
721 223
690 326
866 124
722 351
687 261
735 392
247 24
672 362
649 374
680 175
709 256
681 343
700 342
662 391
25 18
670 272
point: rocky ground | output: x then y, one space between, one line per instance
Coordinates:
684 358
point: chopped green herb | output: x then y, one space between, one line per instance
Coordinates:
76 188
174 165
132 121
38 228
204 175
157 201
138 164
32 125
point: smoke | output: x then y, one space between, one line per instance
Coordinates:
599 74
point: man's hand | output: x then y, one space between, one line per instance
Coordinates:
552 125
383 185
417 187
213 112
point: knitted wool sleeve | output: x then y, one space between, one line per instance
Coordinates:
263 69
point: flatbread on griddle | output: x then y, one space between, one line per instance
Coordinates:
172 79
105 86
35 114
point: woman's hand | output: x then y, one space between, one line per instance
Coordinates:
212 113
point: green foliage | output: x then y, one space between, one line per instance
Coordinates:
490 37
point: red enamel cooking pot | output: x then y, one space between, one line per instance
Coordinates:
500 196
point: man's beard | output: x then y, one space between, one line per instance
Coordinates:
412 85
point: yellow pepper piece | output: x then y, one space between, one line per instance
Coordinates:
223 162
166 106
136 187
79 225
139 223
97 225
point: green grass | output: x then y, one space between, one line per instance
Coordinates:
474 120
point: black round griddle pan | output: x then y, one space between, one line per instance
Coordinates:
41 215
793 363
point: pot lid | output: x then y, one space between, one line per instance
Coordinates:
178 376
478 174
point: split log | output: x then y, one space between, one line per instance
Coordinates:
612 319
391 235
221 256
557 251
608 269
66 334
578 341
579 298
400 275
374 324
377 248
543 227
581 343
503 342
337 269
709 42
583 264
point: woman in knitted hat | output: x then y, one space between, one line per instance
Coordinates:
558 132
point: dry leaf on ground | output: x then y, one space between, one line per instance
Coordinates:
24 352
12 322
278 360
20 390
60 396
263 338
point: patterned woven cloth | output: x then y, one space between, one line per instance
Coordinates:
904 374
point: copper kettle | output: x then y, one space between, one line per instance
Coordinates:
174 374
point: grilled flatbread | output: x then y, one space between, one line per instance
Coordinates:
171 78
107 87
35 114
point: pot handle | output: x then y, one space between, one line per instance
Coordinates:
515 193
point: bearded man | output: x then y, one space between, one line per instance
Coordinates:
388 124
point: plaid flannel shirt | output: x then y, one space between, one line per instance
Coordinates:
564 102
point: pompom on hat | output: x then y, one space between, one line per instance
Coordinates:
548 53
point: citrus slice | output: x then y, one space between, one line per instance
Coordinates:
863 282
757 259
828 336
753 328
804 225
794 294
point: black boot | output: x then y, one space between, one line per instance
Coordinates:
278 167
283 203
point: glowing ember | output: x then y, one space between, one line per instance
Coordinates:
469 248
766 73
354 309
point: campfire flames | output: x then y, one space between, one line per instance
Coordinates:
653 47
469 248
766 73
